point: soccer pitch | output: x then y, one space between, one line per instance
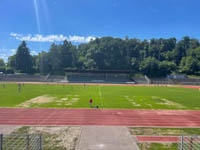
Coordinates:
104 96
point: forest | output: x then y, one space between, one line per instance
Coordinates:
154 57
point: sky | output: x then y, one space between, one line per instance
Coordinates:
42 22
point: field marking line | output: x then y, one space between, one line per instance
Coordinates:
100 95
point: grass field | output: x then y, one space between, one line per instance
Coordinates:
77 96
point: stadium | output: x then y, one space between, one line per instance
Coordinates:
156 112
99 75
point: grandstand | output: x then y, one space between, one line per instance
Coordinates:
187 81
88 76
139 80
161 81
55 78
22 78
94 76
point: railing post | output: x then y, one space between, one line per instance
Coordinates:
27 142
1 141
40 141
191 143
182 138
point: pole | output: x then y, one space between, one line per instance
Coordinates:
27 142
40 142
1 141
182 142
191 143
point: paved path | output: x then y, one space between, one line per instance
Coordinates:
99 117
106 138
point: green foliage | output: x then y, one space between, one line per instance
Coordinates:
150 66
12 62
2 64
24 62
166 67
156 57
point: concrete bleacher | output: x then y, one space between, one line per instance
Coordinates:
161 81
187 81
97 78
140 80
55 78
22 78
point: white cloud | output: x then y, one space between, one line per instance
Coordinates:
13 51
34 53
5 53
51 38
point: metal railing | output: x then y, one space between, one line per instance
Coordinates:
20 142
189 143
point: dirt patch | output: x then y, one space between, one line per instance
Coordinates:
157 131
144 146
60 138
131 100
164 101
69 100
37 100
64 99
8 129
170 103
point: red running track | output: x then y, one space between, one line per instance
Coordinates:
107 117
158 139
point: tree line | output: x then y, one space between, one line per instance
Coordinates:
155 57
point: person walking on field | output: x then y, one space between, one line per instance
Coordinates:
91 100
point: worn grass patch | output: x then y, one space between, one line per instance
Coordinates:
54 138
164 131
157 146
77 96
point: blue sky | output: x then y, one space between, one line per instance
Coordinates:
41 22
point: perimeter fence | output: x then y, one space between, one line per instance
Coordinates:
20 142
189 143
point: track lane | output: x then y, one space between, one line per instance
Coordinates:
105 117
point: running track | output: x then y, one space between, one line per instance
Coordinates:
159 139
107 84
106 117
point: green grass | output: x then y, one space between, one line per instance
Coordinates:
157 146
164 131
127 97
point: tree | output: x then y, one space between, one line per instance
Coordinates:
2 64
55 60
190 65
166 68
24 59
43 63
150 67
155 57
12 62
68 55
